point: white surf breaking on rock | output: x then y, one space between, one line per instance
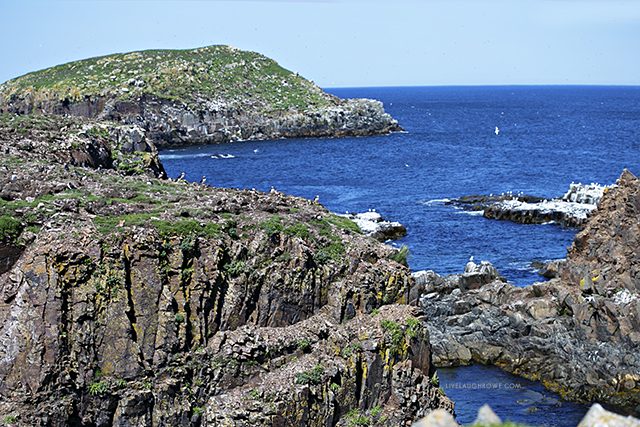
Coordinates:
577 202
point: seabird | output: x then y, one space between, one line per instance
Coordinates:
317 198
497 130
181 176
255 151
204 178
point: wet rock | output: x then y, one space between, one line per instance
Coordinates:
570 210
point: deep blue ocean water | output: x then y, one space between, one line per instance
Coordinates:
549 137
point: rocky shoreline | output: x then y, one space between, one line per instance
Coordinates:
578 334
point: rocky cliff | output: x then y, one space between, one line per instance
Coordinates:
208 95
578 334
129 299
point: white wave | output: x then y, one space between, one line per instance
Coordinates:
472 213
435 202
174 156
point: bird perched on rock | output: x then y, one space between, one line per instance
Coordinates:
204 178
181 176
316 199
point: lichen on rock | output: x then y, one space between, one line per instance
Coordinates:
140 300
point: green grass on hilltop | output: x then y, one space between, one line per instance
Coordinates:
214 73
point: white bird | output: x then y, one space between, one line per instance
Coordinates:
497 130
255 151
471 259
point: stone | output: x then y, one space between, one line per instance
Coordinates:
486 417
437 418
476 275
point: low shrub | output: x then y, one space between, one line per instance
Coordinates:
313 376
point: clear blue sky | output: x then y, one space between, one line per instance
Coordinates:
347 43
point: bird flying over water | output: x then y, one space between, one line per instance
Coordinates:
497 130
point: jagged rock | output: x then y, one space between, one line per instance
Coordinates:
586 194
552 269
570 210
568 214
475 275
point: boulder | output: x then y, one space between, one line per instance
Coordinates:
477 275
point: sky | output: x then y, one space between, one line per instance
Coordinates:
348 43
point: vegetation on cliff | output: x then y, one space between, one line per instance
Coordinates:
208 95
239 79
129 298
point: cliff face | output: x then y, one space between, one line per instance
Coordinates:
133 300
605 256
209 95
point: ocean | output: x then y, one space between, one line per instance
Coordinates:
547 137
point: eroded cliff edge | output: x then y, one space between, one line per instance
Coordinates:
200 96
135 300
